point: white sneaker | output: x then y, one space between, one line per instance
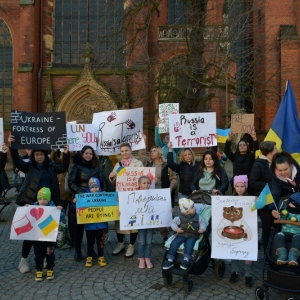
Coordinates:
45 264
129 251
120 247
24 266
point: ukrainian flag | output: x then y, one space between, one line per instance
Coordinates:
223 135
285 130
263 199
48 225
121 170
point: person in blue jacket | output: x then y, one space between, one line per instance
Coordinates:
95 232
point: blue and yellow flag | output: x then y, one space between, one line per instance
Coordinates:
223 135
48 225
285 130
263 199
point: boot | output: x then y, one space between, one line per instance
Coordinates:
282 256
142 263
293 257
148 263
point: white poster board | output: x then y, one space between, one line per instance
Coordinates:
35 223
80 135
117 127
127 178
234 228
145 209
1 134
193 130
164 110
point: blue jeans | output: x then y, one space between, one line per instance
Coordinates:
281 238
145 242
188 246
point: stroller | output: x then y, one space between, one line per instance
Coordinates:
202 250
283 277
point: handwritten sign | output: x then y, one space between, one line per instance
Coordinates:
127 178
117 127
145 209
35 223
193 130
1 133
234 228
80 135
97 207
164 110
242 123
38 130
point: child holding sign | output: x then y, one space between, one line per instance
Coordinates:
95 232
145 235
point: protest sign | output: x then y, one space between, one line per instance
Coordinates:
242 123
164 110
1 133
97 207
127 178
35 223
117 127
38 130
80 135
234 228
193 130
145 209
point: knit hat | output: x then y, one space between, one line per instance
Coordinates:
44 193
240 179
185 204
295 199
94 182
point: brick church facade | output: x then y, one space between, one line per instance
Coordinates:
59 55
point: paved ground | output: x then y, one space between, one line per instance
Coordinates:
120 279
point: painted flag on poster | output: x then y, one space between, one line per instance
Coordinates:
48 225
21 226
285 129
222 135
263 199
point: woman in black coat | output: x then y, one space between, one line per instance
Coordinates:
85 165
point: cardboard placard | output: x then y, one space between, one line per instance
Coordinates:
242 123
164 110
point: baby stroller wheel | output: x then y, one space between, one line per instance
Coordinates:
219 269
189 286
261 293
168 279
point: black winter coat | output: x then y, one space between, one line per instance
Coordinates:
260 175
80 173
29 189
242 163
186 173
3 157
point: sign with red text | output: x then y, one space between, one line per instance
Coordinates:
242 123
193 130
117 127
164 110
127 178
80 135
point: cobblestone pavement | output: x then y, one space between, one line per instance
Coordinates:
120 279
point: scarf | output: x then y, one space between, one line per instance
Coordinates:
126 162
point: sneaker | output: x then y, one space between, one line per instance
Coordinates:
168 265
50 274
184 265
89 261
248 281
39 276
101 261
119 248
77 256
234 277
45 263
129 251
148 263
142 263
24 266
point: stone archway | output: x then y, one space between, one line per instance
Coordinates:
85 97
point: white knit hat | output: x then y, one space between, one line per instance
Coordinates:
185 204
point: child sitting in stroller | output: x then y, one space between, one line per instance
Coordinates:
289 232
191 225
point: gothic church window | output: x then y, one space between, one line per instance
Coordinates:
177 12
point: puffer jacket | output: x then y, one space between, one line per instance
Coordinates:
81 172
29 189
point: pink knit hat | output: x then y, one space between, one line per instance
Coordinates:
240 179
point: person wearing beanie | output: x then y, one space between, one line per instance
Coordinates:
289 233
44 249
187 225
95 232
240 185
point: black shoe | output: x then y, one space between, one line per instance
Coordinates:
77 256
184 265
168 265
248 281
234 277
